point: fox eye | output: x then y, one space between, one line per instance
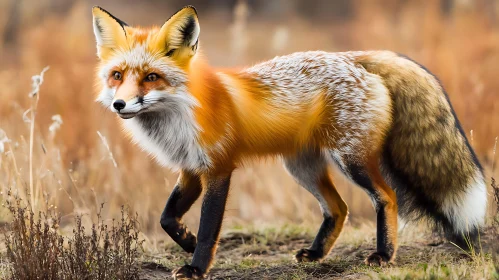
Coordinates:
117 75
152 77
170 53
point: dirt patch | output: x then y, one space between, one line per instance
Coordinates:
153 271
256 256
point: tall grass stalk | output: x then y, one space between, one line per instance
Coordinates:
37 80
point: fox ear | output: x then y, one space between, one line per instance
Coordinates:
109 31
179 35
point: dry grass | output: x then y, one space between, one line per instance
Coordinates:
70 152
73 166
495 225
37 249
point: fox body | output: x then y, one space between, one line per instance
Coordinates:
384 120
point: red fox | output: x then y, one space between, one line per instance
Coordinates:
382 119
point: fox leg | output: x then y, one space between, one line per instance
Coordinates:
385 203
212 211
185 193
310 170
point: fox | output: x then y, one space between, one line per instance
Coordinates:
382 119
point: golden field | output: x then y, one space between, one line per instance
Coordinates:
72 165
85 161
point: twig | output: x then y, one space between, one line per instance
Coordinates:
104 141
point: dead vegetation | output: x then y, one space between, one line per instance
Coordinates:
73 166
495 225
37 249
495 218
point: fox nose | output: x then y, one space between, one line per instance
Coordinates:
119 104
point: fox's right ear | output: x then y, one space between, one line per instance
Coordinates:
109 31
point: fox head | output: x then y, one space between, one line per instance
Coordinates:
143 70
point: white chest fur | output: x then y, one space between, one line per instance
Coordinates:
170 137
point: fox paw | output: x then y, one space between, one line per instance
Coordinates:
187 272
307 255
188 242
378 259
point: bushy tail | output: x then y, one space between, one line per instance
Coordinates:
427 158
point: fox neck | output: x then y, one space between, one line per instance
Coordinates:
215 114
215 108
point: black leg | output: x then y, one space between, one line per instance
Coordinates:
385 204
385 246
320 247
209 229
185 193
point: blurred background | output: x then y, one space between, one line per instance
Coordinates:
75 169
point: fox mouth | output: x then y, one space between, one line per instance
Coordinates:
127 115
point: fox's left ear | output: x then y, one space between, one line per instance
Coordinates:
178 37
109 31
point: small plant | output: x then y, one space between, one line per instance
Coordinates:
34 248
37 250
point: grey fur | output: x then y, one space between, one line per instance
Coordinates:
306 168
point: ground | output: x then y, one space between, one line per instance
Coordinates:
269 255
